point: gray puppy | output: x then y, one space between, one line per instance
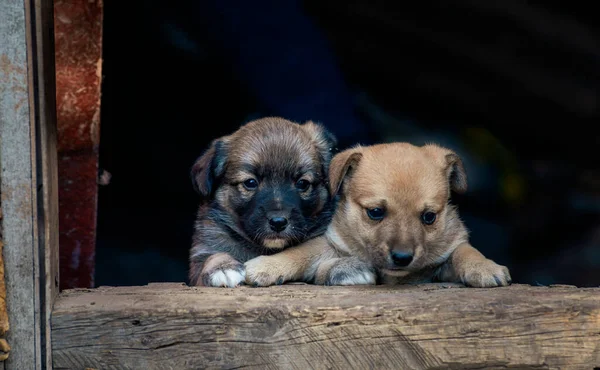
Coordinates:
263 189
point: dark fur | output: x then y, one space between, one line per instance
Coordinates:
233 219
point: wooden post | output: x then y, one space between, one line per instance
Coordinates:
434 326
28 180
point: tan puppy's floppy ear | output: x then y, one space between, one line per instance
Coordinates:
341 167
209 168
325 141
453 166
457 176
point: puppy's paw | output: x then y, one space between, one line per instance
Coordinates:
486 274
226 278
350 271
260 271
227 275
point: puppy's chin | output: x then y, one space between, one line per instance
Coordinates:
395 273
274 243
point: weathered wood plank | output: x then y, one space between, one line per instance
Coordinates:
42 87
28 181
170 326
17 183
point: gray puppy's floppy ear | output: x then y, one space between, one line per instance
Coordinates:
209 168
325 142
341 167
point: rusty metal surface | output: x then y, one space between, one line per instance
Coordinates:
78 45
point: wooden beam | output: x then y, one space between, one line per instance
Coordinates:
44 139
28 179
171 326
17 184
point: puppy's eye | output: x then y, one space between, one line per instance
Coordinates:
250 184
376 214
302 185
428 218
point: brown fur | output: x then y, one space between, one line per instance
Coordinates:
406 181
233 220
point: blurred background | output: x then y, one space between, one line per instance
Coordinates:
512 86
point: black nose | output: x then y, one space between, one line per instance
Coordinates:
402 259
278 223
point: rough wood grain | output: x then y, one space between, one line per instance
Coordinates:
17 183
170 326
28 181
44 137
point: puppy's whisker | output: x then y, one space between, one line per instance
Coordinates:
296 238
259 236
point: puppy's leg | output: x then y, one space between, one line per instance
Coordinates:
218 270
293 264
468 266
345 271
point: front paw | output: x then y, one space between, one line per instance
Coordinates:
486 274
229 275
350 271
260 272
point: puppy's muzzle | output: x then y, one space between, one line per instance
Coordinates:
401 259
278 223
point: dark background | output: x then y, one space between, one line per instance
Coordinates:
513 87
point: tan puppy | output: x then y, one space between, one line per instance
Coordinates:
393 224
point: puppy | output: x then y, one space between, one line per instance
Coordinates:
263 188
393 224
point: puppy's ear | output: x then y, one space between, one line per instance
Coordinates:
209 168
453 167
341 167
457 176
325 141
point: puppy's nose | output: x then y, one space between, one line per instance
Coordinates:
278 223
402 259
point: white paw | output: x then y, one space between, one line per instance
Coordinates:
227 278
362 278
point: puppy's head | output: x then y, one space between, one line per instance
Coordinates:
394 204
270 176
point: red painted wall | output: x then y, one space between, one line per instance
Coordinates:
78 44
